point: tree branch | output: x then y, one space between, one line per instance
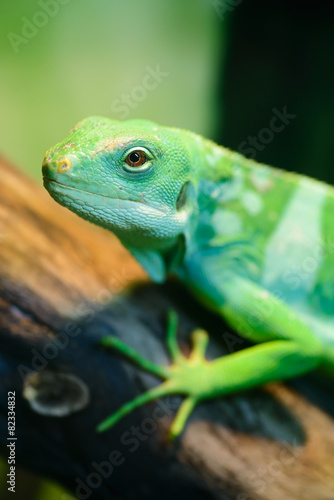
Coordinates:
62 284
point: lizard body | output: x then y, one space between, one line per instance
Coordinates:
254 243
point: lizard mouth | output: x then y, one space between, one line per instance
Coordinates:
54 187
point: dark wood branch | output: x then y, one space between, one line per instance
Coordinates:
62 285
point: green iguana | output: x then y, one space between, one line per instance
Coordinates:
254 243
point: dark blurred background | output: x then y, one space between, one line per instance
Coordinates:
254 75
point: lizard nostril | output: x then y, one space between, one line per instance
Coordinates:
64 165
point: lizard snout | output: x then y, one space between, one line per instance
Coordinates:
60 166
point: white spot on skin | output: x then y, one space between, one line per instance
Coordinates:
295 239
260 178
199 142
227 223
252 202
214 156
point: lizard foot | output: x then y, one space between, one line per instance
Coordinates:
185 376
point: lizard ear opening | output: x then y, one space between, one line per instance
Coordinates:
184 194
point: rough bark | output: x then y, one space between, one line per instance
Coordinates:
64 281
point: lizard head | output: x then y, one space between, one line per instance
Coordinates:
131 177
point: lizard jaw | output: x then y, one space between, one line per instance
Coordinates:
125 218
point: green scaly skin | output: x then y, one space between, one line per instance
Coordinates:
254 243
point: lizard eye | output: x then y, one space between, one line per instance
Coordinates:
136 158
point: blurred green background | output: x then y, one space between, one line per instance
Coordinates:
90 53
225 66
